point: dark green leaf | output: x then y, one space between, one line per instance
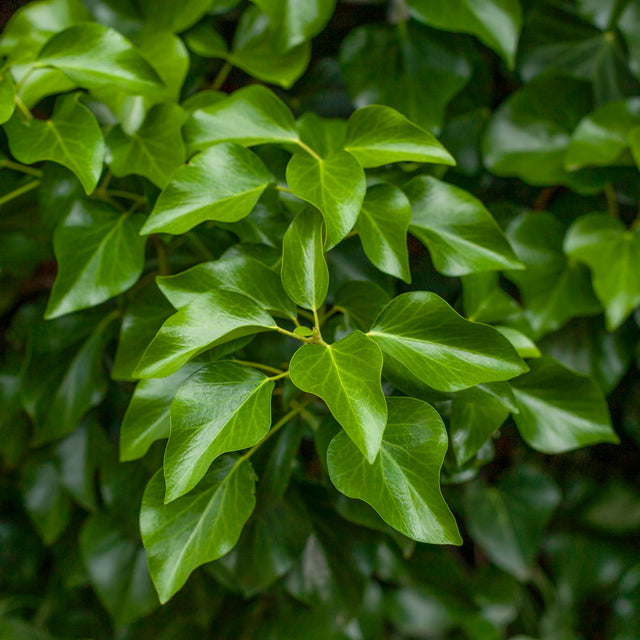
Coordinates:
484 300
361 302
324 136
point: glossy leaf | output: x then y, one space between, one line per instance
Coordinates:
72 138
222 183
197 528
166 14
403 483
560 410
382 225
460 233
323 135
100 254
7 96
378 135
305 275
335 185
441 348
346 375
210 319
612 252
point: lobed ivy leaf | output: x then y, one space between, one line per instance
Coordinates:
346 375
305 275
461 235
442 349
222 183
100 254
335 185
403 482
197 528
7 96
71 137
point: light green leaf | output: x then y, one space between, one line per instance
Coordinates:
72 138
336 185
496 22
323 135
117 568
560 410
174 16
210 319
524 346
222 408
100 254
602 138
222 183
234 272
93 56
612 252
154 150
382 226
346 375
403 483
252 115
440 347
461 235
147 417
378 135
197 528
7 96
305 275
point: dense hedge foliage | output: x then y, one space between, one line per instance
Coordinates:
309 312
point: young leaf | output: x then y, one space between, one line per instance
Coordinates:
382 226
336 185
222 183
196 528
378 135
461 234
7 96
72 138
560 410
305 275
440 347
223 407
403 483
93 56
346 375
100 254
253 115
154 150
210 319
612 252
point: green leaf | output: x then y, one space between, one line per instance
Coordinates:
403 483
323 135
197 528
484 300
361 302
100 254
336 185
461 235
440 347
7 96
305 275
602 138
210 319
411 69
612 252
147 417
378 135
167 14
14 629
524 346
346 375
72 138
252 115
382 226
554 288
560 410
507 521
222 183
530 132
117 568
634 143
154 150
222 408
496 22
93 56
234 271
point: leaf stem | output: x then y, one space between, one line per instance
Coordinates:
284 374
334 310
259 365
30 186
23 168
308 149
612 202
163 258
128 195
277 187
222 76
24 110
292 335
